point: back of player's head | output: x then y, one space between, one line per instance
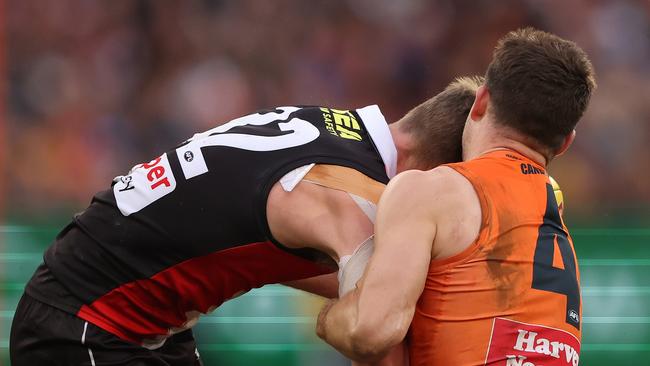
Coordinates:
540 85
437 124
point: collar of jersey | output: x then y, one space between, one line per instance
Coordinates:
380 134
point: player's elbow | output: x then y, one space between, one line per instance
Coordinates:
369 343
366 346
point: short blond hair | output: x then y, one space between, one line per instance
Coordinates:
437 124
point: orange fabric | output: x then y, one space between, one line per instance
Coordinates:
454 322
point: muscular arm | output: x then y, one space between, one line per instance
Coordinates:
422 215
375 317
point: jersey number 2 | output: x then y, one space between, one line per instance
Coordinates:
549 278
301 132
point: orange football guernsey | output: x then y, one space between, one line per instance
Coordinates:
513 297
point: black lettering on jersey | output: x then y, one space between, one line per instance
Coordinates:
329 124
530 169
128 180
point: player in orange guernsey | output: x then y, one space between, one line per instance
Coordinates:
474 256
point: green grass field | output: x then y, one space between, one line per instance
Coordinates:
274 325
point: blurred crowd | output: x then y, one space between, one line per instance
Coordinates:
95 87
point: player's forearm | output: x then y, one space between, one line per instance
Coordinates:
398 356
336 323
366 341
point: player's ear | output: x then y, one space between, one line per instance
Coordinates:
568 140
479 108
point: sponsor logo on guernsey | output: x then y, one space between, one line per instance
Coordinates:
144 184
519 344
341 123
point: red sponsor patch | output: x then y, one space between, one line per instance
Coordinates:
519 344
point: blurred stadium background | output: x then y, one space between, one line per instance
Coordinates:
90 88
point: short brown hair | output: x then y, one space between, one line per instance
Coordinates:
539 84
437 124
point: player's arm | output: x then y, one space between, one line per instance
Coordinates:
370 320
397 356
326 285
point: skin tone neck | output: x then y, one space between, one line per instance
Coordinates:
490 139
406 158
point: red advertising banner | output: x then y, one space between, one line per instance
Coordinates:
519 344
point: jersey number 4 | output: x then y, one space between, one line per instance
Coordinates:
546 277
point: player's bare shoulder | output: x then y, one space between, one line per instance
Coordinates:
456 210
439 186
440 201
449 185
405 193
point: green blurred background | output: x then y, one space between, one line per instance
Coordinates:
275 325
91 87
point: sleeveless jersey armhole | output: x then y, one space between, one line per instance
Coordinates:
444 264
319 165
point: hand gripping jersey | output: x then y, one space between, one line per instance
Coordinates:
513 297
181 234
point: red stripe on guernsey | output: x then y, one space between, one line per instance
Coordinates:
149 308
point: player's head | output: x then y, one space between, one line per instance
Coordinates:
538 85
435 127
